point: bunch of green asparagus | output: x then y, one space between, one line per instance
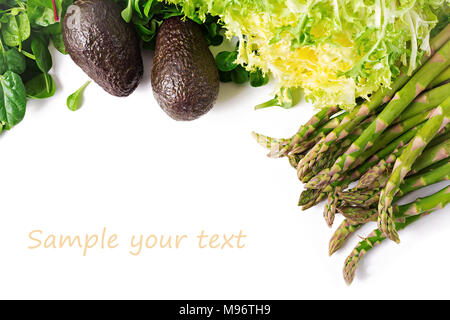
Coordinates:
394 143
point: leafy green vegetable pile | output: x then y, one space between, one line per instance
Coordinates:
336 50
396 143
26 28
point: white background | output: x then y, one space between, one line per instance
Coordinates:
123 164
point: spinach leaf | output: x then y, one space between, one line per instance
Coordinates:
42 14
40 87
15 61
42 54
3 63
74 101
59 43
39 14
55 33
16 29
13 99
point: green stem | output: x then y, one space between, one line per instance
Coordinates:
28 55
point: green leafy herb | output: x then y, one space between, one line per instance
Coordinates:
225 76
16 28
127 13
13 99
12 60
42 54
239 75
41 86
258 79
226 61
74 101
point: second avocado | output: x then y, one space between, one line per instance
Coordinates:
185 78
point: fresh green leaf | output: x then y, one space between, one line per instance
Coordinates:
258 79
16 30
55 33
127 13
147 7
59 43
225 60
15 61
239 75
41 86
225 76
74 101
42 54
3 63
13 99
40 15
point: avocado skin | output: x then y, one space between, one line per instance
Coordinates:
185 79
103 45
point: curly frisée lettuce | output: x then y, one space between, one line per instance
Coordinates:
336 50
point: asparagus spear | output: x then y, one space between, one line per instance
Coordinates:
342 233
311 197
305 130
401 100
376 175
318 119
389 135
329 210
372 240
432 154
268 142
443 77
294 160
426 101
360 113
404 216
385 152
318 134
426 177
276 145
438 120
443 136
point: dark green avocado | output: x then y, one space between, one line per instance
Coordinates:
101 43
185 78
